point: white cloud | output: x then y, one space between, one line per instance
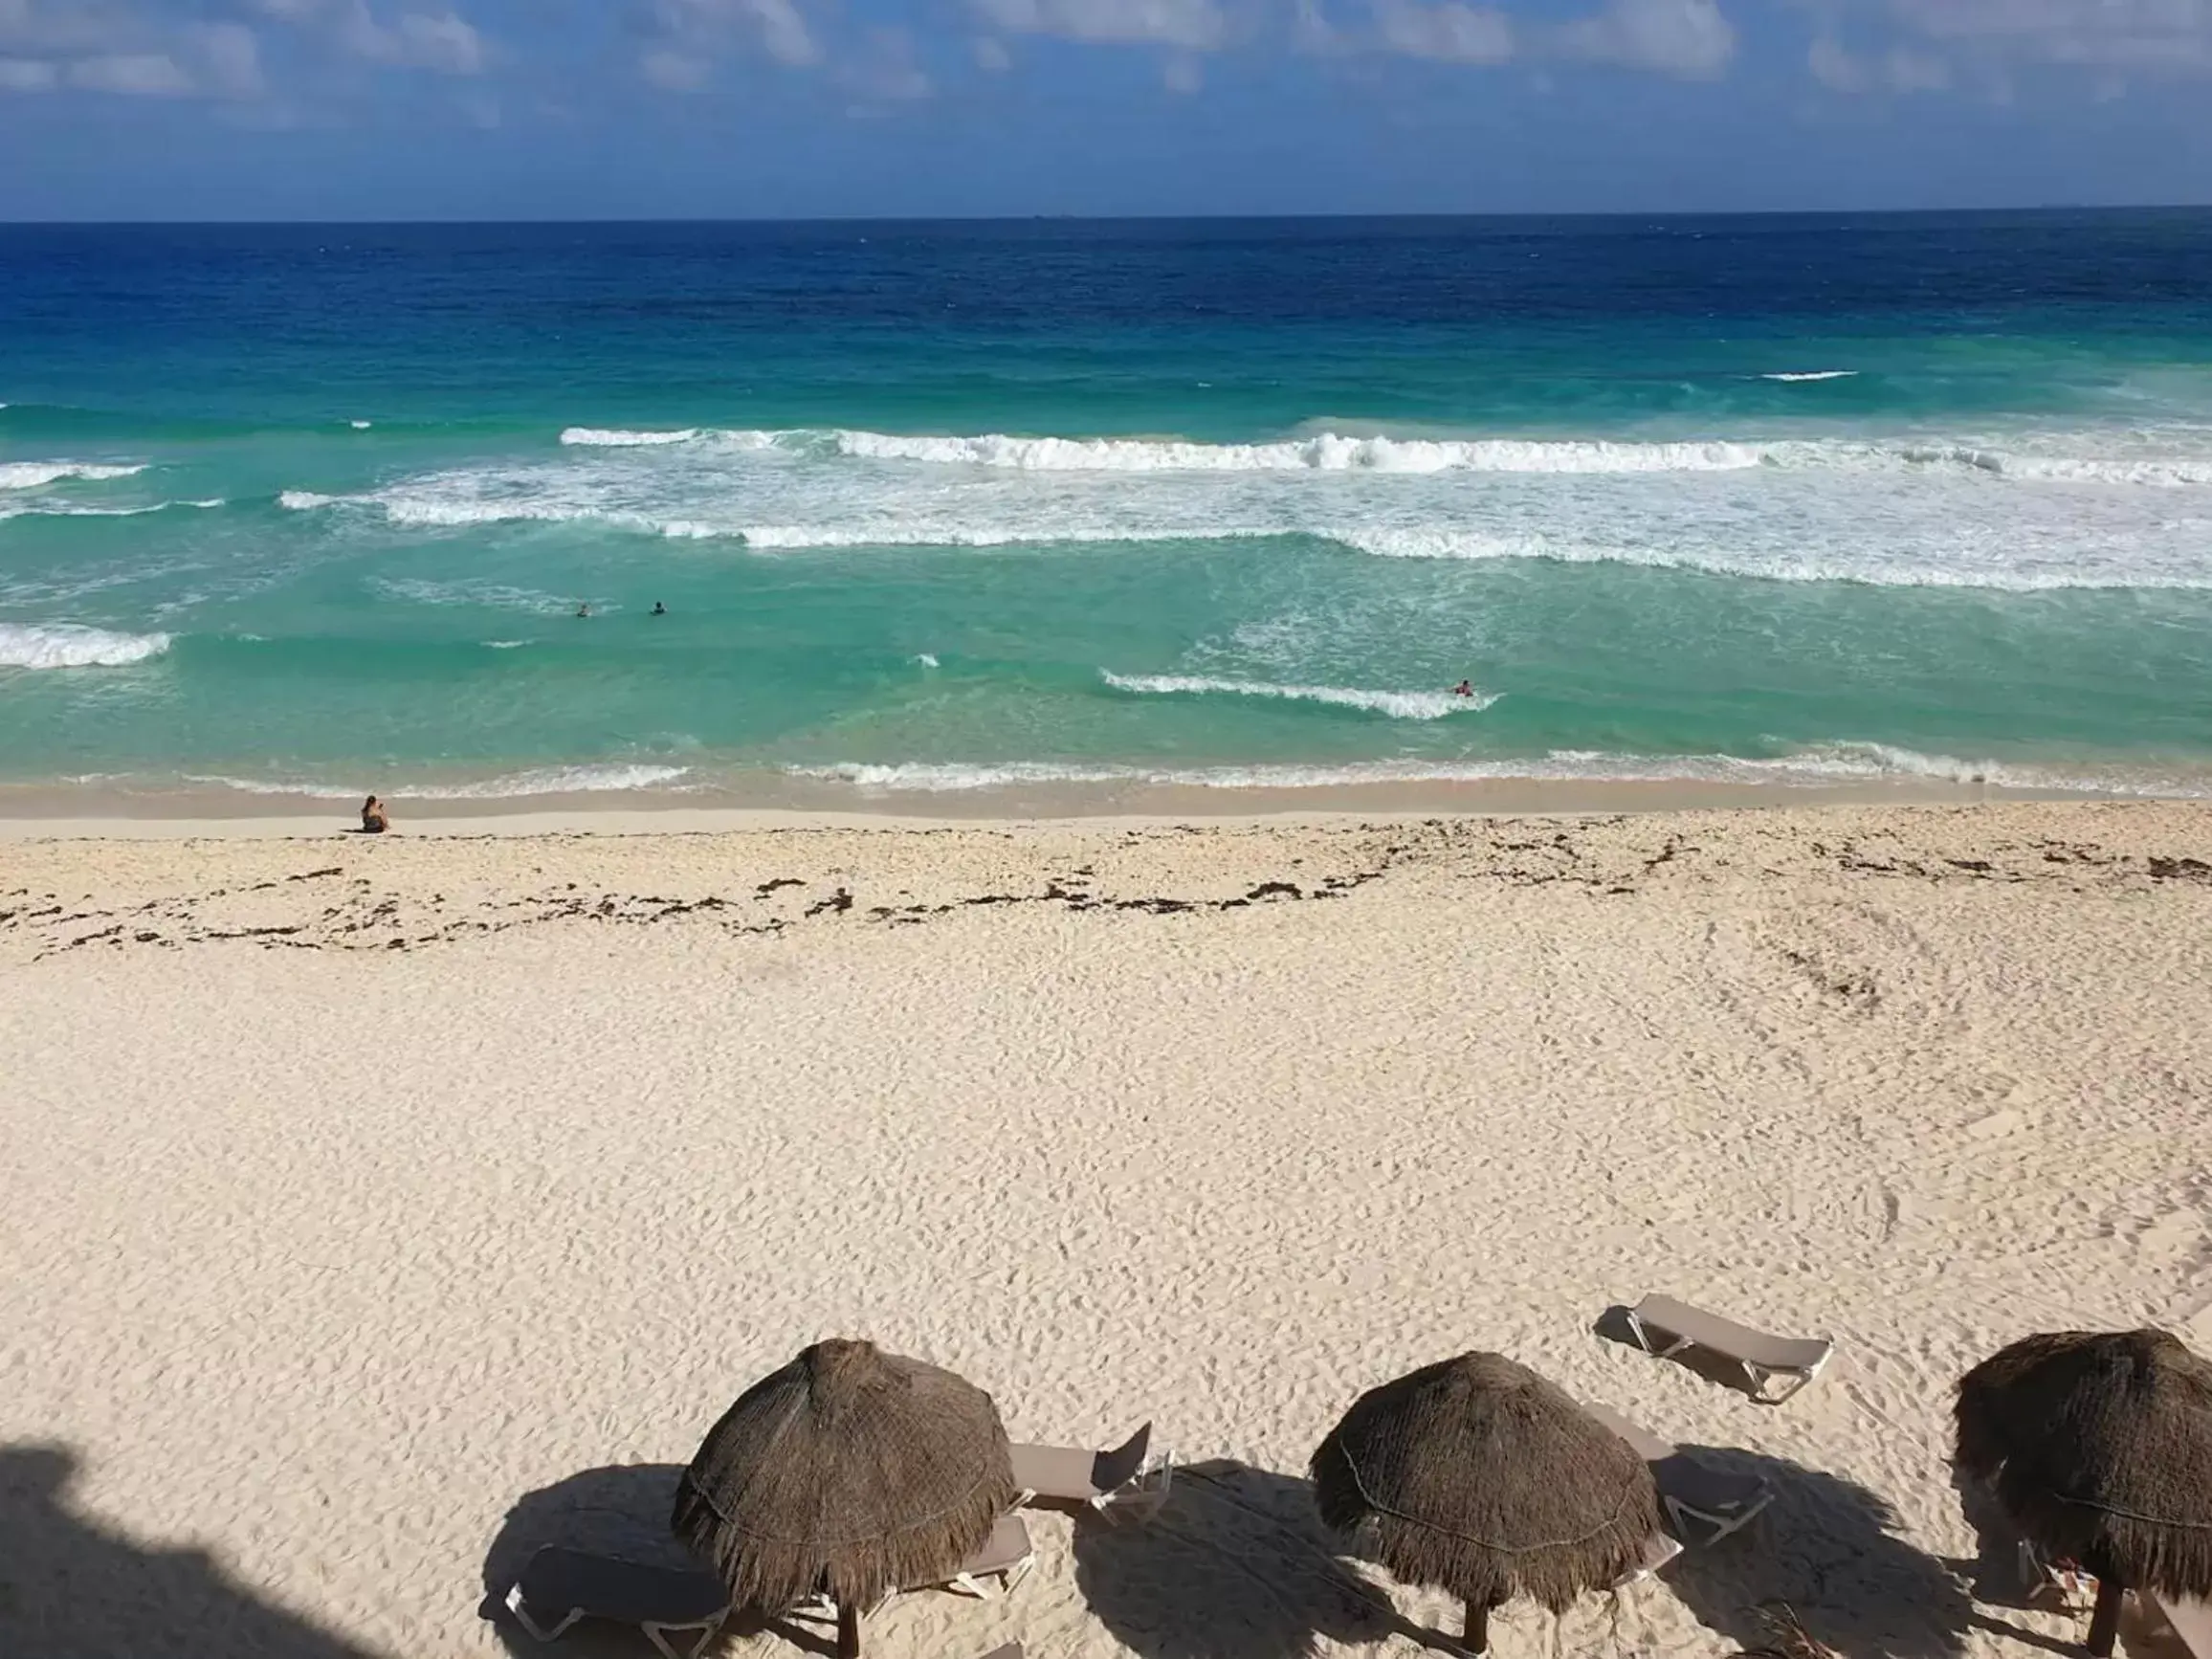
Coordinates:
991 54
131 75
444 42
28 74
1685 37
1311 30
698 28
1194 25
784 33
1452 31
230 56
673 70
885 72
2168 35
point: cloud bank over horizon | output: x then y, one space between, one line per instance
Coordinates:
1247 74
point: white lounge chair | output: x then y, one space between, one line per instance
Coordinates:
1658 1550
1703 1505
1006 1556
1101 1479
1665 1326
559 1586
2192 1621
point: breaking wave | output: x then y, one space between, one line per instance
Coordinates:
583 780
1398 706
35 474
1827 766
64 645
1337 452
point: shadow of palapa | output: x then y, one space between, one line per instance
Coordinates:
1828 1549
1235 1566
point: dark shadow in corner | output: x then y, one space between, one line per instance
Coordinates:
1722 1373
1828 1548
1235 1566
71 1589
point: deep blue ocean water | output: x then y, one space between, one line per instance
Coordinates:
930 506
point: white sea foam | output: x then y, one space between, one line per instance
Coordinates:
359 426
52 509
506 644
926 660
1824 767
307 501
64 645
1815 374
1327 453
587 780
580 780
1332 452
1398 706
35 475
595 437
497 595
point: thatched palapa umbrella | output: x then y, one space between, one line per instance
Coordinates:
851 1472
2098 1446
1488 1482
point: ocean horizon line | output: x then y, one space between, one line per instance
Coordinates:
1438 216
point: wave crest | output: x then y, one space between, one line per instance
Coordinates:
65 645
1398 706
36 474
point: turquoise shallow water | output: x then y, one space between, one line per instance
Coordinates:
933 508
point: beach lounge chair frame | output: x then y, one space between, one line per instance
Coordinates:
1658 1550
1703 1505
1006 1556
1664 1326
1105 1480
623 1592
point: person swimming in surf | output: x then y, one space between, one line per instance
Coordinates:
1464 689
658 608
583 610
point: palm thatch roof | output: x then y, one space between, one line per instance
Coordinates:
2098 1446
849 1472
1486 1481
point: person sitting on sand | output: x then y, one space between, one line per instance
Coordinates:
658 608
374 821
1464 689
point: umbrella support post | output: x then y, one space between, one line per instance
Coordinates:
1476 1638
2105 1622
848 1632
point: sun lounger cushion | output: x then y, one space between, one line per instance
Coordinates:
560 1585
1074 1475
1795 1360
2192 1621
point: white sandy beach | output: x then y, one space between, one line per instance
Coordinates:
377 1210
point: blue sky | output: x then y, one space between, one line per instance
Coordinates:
336 109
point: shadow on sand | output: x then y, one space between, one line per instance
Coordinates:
70 1589
1235 1566
620 1510
1828 1548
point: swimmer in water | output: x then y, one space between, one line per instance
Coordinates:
658 608
583 610
1464 689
